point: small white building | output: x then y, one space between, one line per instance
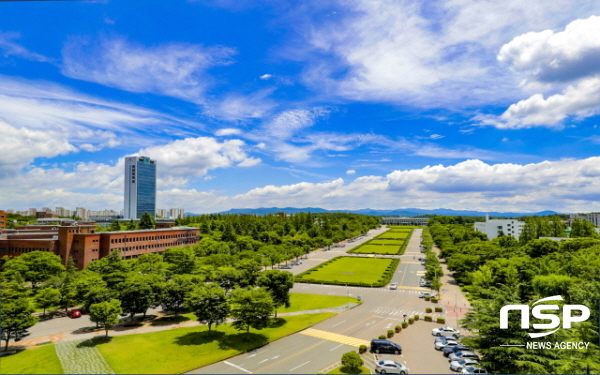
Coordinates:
495 227
593 218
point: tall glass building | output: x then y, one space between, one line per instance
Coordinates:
140 186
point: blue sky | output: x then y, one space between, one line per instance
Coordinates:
488 105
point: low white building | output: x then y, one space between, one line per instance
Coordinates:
495 227
391 220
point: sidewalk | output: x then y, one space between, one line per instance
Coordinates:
455 303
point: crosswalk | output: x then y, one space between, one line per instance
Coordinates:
342 339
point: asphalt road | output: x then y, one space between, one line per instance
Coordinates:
382 309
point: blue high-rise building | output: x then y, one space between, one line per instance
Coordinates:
140 186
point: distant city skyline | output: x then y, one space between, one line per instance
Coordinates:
487 105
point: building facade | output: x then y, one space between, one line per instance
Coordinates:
497 227
140 187
81 241
175 213
392 220
593 218
3 220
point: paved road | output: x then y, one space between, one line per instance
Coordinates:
382 309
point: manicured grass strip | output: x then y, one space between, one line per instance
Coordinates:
343 370
386 242
377 249
351 271
179 350
405 226
303 302
39 360
395 235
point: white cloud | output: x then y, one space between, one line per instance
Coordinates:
176 69
550 60
227 131
266 76
236 106
13 49
438 54
350 172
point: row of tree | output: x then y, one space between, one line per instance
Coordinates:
506 271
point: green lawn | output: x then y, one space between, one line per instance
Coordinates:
178 350
40 360
404 226
349 270
343 370
378 249
299 302
395 235
386 242
302 302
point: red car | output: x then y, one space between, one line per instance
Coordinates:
74 314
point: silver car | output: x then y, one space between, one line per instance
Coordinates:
459 365
462 355
440 345
390 367
473 370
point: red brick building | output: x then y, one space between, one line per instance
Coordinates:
3 220
84 244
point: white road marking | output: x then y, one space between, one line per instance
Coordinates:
336 347
299 366
250 356
264 360
238 367
338 324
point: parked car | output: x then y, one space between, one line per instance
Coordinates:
74 314
461 355
453 349
444 331
442 344
445 338
459 365
285 267
390 367
426 294
474 370
394 286
385 346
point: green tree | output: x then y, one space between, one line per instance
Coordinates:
15 319
278 284
35 266
227 277
136 295
582 228
146 221
115 226
209 304
131 225
352 362
46 298
251 308
175 292
97 294
182 259
106 314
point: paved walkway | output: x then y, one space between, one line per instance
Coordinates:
455 303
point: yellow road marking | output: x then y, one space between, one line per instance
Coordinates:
342 339
412 288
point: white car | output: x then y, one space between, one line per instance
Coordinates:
390 367
440 345
444 331
426 294
393 286
459 365
473 370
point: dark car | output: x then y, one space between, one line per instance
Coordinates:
385 346
454 349
74 314
462 355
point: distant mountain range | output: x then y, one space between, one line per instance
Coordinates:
368 211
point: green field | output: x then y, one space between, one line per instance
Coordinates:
404 226
179 350
387 242
395 235
348 270
304 302
379 249
41 360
